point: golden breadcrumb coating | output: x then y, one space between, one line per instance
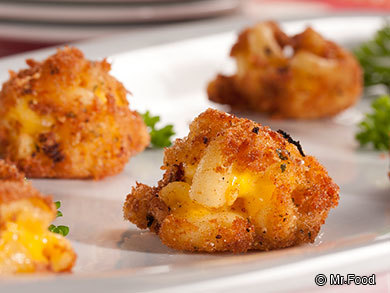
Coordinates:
26 245
67 117
303 77
234 185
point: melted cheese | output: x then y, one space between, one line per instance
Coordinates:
256 195
210 187
30 122
98 91
176 196
26 244
254 189
253 192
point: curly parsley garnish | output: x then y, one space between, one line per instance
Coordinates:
374 57
159 137
63 230
375 128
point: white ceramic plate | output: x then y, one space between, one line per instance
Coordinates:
170 80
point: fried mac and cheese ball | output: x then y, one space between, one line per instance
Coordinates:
67 117
304 76
26 244
234 185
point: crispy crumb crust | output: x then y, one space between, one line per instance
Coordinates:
14 188
76 121
319 79
299 208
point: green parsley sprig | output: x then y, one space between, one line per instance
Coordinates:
63 230
159 137
374 57
375 128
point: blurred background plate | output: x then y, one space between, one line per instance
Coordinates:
54 34
99 12
99 1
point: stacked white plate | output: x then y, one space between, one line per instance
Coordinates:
66 20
